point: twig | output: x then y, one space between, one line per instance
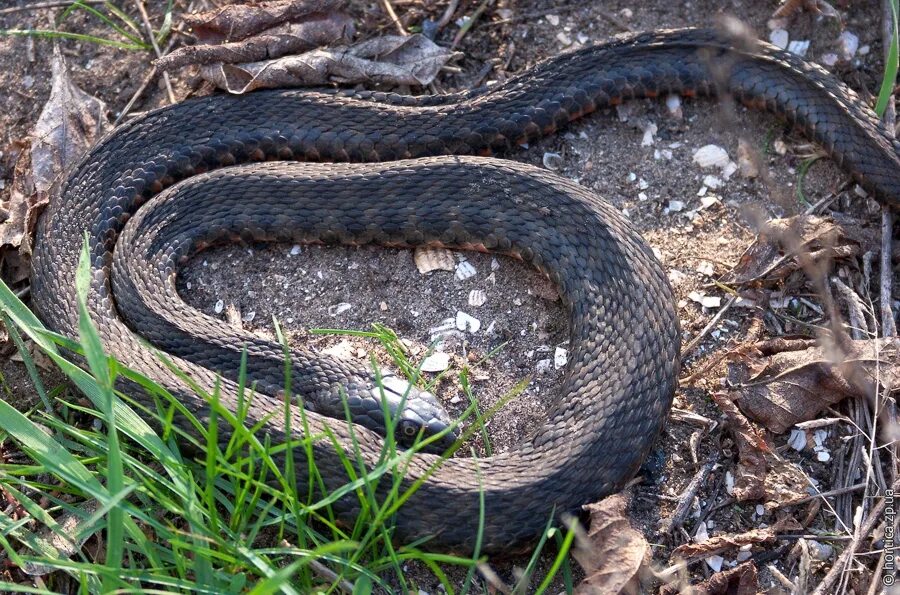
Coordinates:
865 531
159 54
687 497
888 328
390 10
448 14
710 325
471 21
837 492
140 90
43 5
328 574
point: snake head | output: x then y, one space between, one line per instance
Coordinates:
421 414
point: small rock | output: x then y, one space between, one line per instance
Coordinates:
649 130
295 250
249 316
563 38
715 562
544 366
465 270
711 156
552 19
383 306
675 206
780 146
343 350
848 44
799 47
797 440
673 104
706 268
708 201
560 357
495 264
477 297
707 301
220 305
779 38
746 160
436 362
829 59
819 551
712 182
467 323
338 308
433 259
676 277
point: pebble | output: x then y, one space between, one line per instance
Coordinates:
220 305
340 308
707 301
712 182
779 38
563 38
819 551
436 362
560 357
295 250
249 316
552 19
746 162
675 206
708 201
706 268
715 562
848 44
467 323
673 104
799 47
711 156
553 161
544 366
797 440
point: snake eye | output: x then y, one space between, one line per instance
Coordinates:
408 428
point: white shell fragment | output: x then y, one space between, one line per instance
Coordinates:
711 156
465 270
433 259
707 301
338 308
797 440
467 323
477 297
436 362
553 161
560 357
779 38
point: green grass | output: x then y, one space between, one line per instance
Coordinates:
890 67
110 495
124 32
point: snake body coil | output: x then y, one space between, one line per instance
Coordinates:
625 340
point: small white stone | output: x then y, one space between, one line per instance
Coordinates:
848 43
295 250
544 366
436 362
779 38
582 38
649 130
729 483
338 308
642 196
220 305
708 201
465 270
799 47
675 206
701 534
829 59
249 316
819 551
560 357
707 301
819 437
631 177
467 323
676 277
552 19
673 104
477 297
643 184
760 510
715 562
712 182
553 161
495 264
823 456
797 440
706 268
563 38
711 156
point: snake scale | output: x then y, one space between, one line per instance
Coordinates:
420 175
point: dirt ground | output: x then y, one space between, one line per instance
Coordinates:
698 228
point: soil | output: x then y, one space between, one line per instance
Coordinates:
656 184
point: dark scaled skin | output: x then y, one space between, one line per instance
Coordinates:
625 341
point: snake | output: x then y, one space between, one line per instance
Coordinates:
368 167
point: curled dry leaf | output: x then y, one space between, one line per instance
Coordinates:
392 60
784 383
752 448
286 38
239 21
613 553
740 580
69 124
773 256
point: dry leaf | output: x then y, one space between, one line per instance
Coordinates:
784 383
752 448
772 257
69 124
614 552
740 580
239 21
390 60
791 7
286 38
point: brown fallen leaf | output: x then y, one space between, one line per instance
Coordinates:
392 60
286 38
614 553
791 7
70 122
740 580
773 256
761 474
239 21
780 384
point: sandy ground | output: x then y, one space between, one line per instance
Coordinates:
656 184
